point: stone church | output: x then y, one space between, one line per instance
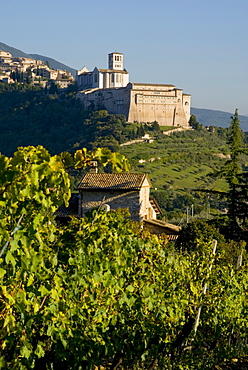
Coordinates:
139 102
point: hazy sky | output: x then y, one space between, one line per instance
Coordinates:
200 46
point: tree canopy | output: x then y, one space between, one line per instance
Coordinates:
236 178
31 115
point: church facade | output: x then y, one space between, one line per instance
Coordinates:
113 77
139 102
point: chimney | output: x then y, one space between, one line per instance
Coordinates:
93 167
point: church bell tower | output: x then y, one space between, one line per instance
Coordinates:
116 61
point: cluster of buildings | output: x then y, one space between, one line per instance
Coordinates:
108 89
19 69
139 102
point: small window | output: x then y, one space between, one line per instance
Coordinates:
95 77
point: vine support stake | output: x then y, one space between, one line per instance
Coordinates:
11 234
204 289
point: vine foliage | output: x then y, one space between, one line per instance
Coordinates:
100 292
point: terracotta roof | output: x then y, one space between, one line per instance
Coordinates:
165 225
112 181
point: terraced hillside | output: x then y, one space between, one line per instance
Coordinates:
180 163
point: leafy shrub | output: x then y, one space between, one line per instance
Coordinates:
197 233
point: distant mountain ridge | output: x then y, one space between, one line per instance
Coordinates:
52 62
15 52
210 117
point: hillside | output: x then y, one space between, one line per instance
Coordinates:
177 164
179 161
210 117
15 52
30 115
19 53
53 63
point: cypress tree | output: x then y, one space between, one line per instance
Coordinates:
236 179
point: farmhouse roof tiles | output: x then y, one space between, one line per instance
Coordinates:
169 228
112 181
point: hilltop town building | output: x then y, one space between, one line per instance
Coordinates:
141 102
19 69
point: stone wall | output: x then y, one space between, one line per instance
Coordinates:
142 103
115 199
162 103
146 210
116 101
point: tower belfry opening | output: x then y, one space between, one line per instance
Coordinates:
115 61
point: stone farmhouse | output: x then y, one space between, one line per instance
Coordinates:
16 69
139 102
117 190
111 191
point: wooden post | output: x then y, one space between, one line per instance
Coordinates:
204 289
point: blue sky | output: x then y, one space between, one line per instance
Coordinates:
200 46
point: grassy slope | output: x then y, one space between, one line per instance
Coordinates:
181 160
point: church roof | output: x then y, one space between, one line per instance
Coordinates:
84 73
112 181
150 84
113 70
